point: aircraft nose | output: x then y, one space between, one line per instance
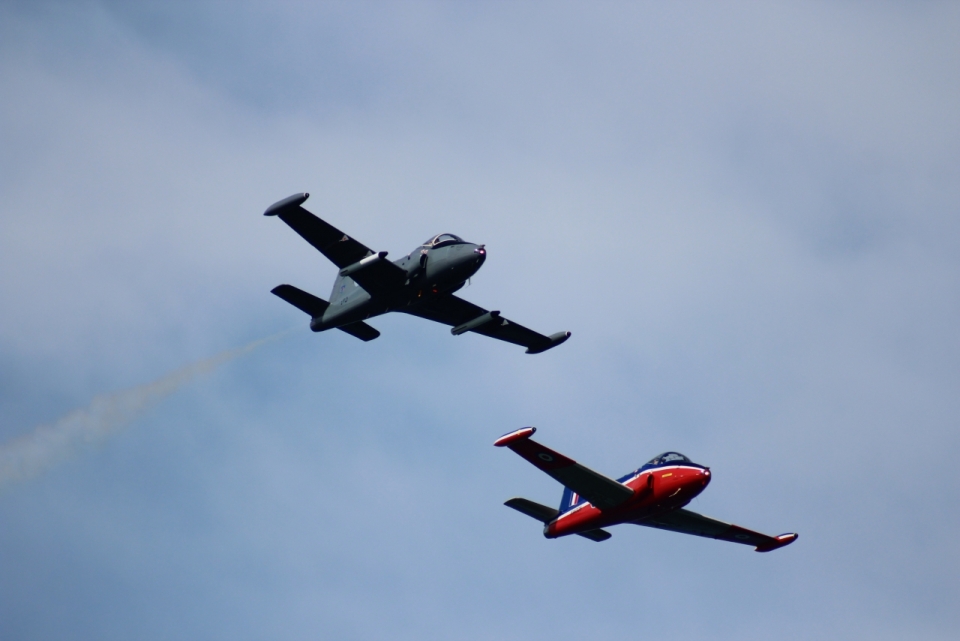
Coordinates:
479 255
705 476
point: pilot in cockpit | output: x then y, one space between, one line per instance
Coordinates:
441 240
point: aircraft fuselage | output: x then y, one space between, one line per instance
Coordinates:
655 491
653 496
431 271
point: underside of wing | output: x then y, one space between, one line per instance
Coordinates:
464 316
603 492
687 522
371 271
379 277
329 241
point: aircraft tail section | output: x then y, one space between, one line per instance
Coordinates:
302 300
570 500
360 330
546 514
537 511
310 304
595 535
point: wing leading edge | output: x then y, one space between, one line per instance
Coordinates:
459 314
687 522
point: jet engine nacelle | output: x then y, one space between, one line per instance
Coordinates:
362 264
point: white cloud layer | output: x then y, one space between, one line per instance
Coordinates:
747 215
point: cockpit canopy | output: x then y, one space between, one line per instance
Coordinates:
441 240
669 458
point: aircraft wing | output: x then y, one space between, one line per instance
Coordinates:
464 316
342 250
687 522
354 259
601 491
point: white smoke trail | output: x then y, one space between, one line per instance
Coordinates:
46 445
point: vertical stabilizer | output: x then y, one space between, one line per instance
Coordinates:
570 500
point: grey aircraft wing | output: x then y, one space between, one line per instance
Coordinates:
464 316
374 274
687 522
342 250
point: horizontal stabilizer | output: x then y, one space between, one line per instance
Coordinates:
537 511
301 300
595 535
546 514
361 330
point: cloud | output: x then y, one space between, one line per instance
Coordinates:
746 216
46 445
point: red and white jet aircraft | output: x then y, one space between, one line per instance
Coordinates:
653 495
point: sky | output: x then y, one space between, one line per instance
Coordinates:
747 214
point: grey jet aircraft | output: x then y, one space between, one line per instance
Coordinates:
421 283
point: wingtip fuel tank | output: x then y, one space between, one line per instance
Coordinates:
290 201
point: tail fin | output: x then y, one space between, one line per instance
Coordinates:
570 500
300 299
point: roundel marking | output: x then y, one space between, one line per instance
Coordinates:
543 456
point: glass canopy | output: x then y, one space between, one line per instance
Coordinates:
443 239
